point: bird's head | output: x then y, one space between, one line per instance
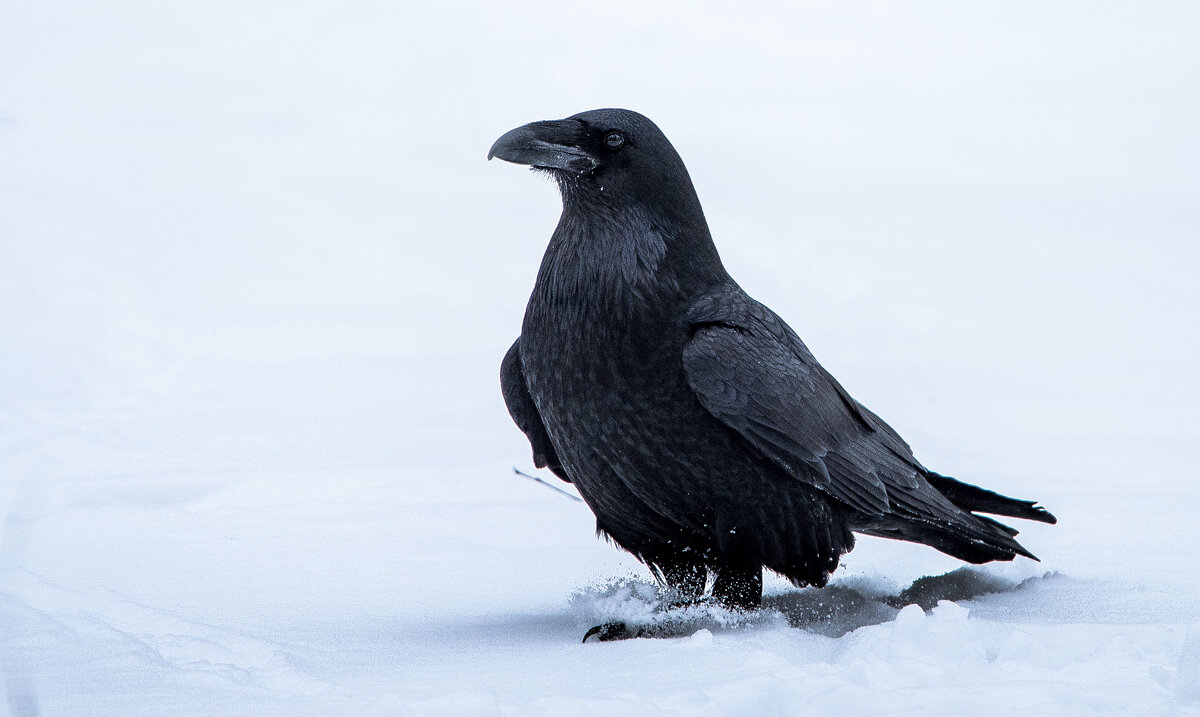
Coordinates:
615 156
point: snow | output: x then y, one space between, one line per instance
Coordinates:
257 279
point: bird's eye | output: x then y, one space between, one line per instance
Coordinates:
614 140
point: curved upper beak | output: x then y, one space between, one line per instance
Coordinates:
553 144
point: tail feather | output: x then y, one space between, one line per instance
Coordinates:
949 541
980 500
1011 531
973 537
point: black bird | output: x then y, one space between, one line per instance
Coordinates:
694 422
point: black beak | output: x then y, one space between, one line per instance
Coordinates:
550 145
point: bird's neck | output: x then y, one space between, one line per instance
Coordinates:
606 250
626 260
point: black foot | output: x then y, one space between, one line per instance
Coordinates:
611 631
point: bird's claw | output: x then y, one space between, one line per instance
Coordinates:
611 631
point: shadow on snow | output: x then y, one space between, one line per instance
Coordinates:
832 611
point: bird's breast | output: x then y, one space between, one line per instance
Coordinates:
599 378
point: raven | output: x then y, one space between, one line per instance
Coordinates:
694 422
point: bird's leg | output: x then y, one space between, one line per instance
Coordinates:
686 578
735 589
738 588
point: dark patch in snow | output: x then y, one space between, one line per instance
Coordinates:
842 608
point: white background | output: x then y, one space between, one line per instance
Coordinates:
256 278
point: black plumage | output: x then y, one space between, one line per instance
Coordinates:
694 422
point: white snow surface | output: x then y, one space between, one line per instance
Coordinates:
256 279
